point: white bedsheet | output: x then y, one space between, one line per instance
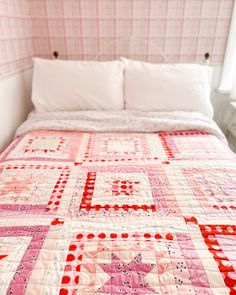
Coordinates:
120 121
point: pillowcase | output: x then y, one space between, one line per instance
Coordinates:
167 87
61 85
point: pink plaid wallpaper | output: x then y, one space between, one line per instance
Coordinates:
183 29
16 44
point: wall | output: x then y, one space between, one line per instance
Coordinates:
16 43
16 51
14 103
183 29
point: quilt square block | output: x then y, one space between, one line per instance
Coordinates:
133 263
193 145
202 188
31 188
115 147
213 187
116 187
123 191
220 240
19 250
46 145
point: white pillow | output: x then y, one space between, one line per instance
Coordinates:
60 85
167 87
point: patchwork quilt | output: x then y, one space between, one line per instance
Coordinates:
117 212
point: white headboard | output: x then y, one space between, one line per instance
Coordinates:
132 42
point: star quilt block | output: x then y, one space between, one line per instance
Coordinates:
133 263
45 145
32 188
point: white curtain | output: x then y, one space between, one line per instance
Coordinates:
228 76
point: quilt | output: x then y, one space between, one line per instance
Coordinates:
137 204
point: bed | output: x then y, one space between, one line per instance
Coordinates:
118 203
132 193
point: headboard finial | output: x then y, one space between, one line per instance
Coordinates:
55 54
207 57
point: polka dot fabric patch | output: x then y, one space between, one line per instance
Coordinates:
220 241
123 191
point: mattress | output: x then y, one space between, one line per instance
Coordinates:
118 203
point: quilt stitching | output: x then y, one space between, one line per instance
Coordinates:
94 264
23 270
123 191
220 240
149 213
114 147
181 145
46 146
212 191
23 189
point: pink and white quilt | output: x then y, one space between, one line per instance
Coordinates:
142 204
